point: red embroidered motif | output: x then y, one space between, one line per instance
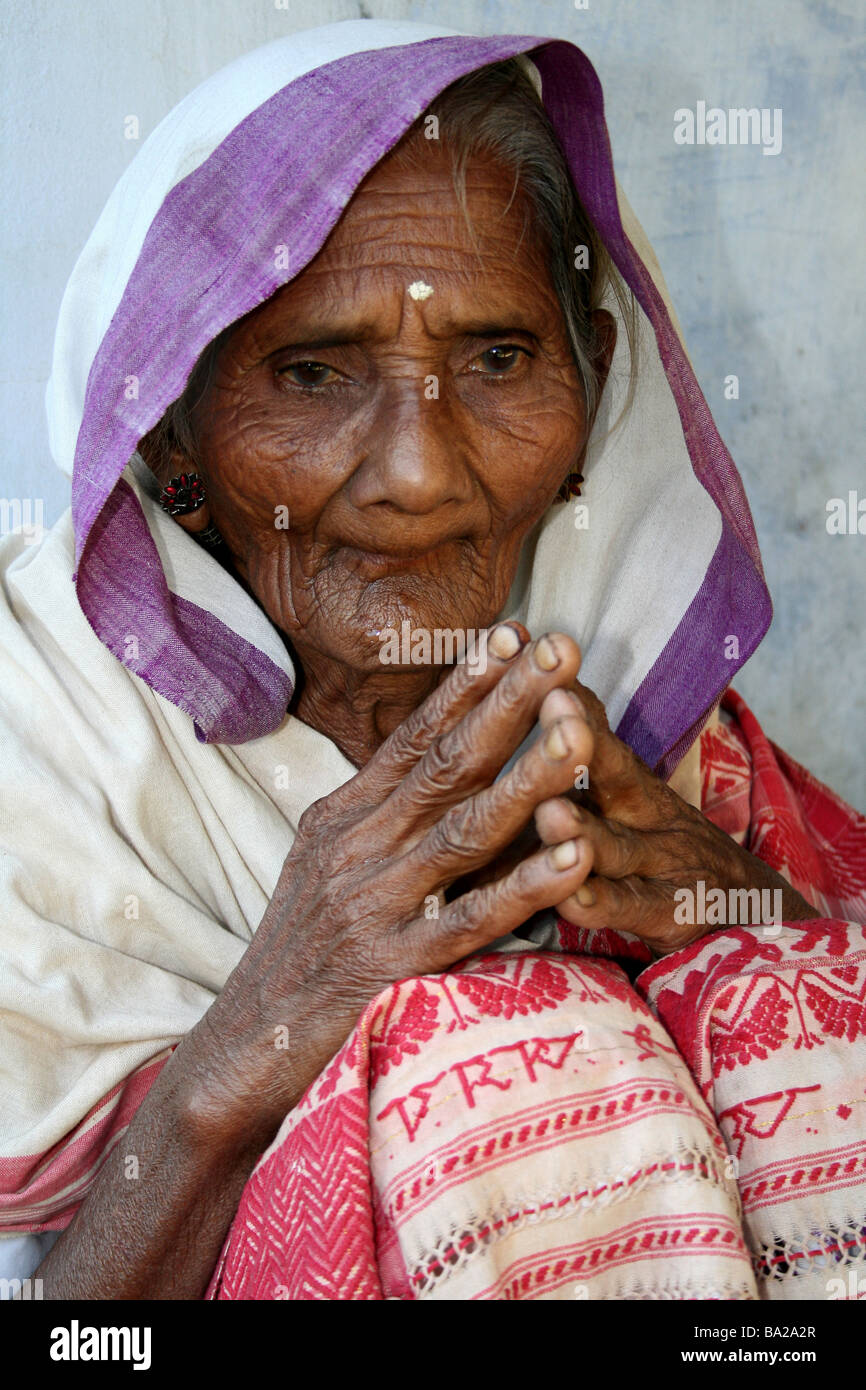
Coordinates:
402 1036
841 1017
497 996
760 1116
763 1029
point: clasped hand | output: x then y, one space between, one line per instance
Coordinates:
429 822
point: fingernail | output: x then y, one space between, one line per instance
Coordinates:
504 642
555 745
545 654
566 855
585 896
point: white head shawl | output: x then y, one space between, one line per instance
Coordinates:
139 856
262 154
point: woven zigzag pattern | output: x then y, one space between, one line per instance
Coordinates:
304 1228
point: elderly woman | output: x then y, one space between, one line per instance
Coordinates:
309 985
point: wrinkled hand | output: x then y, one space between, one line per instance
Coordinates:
646 843
360 901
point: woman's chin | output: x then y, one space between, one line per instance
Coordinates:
401 641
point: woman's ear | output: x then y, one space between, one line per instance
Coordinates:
167 462
605 327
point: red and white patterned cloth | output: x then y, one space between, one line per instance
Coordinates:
532 1125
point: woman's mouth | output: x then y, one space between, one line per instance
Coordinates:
371 562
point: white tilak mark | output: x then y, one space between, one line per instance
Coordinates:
418 290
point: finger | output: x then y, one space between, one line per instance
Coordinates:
479 917
618 850
557 819
470 755
463 688
618 781
478 827
642 907
563 703
614 765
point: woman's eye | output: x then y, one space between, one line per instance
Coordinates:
309 373
499 360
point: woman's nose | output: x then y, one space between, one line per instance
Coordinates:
414 459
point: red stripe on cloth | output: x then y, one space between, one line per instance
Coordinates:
645 1240
40 1192
459 1159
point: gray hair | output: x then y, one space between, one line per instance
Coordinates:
497 112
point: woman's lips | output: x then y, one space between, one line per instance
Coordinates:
379 562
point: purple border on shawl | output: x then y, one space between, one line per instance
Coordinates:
571 88
169 629
676 694
686 680
261 188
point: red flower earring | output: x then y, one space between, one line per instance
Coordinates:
570 487
183 495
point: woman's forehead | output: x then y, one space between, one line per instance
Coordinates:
400 230
407 205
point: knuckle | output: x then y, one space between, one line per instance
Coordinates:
633 903
412 738
530 773
463 918
619 894
513 694
333 903
314 818
626 853
378 954
416 735
444 765
459 834
522 884
334 894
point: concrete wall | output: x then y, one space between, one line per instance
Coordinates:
763 255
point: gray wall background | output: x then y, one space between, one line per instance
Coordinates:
763 255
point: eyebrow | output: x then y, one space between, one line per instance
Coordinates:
349 337
326 340
487 329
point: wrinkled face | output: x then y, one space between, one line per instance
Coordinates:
410 441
